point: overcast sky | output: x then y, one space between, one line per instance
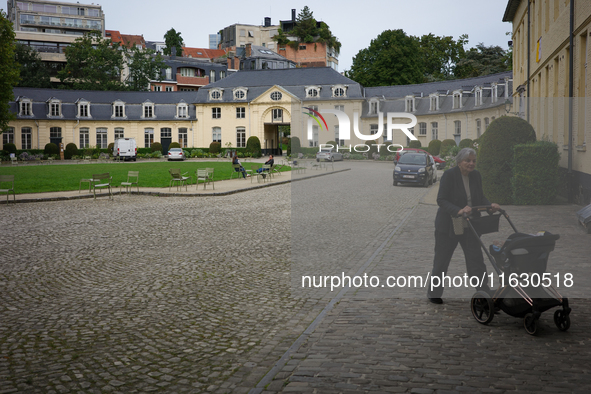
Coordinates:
354 22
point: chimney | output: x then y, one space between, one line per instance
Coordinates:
267 22
293 15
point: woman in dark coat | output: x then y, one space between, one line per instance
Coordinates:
460 189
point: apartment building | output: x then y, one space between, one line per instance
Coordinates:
550 58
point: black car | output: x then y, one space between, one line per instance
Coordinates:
414 168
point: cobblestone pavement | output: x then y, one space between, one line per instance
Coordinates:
174 295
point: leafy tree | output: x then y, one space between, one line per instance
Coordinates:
440 55
483 60
325 36
305 29
93 63
144 65
172 38
9 70
281 37
393 58
33 72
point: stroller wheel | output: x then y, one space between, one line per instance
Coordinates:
561 320
530 323
482 307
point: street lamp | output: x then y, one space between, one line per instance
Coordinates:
508 105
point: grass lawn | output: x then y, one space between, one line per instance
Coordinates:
33 178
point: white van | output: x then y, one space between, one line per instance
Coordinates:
125 148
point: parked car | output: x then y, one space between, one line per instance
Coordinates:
434 164
329 155
176 154
414 168
440 163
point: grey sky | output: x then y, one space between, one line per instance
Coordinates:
355 23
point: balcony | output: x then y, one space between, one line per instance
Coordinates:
191 81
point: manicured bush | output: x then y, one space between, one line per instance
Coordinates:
51 149
495 155
156 147
215 147
535 173
466 143
295 145
333 143
446 146
71 150
434 147
415 144
253 146
174 145
110 147
10 148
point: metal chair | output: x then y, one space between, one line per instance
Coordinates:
177 178
102 181
133 178
7 179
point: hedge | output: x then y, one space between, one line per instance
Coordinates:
434 147
495 155
535 178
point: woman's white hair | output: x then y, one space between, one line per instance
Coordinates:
464 154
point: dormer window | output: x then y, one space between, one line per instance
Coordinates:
240 93
215 94
494 92
182 110
148 110
312 91
409 104
478 96
339 91
25 107
457 100
433 102
83 107
118 109
374 106
54 108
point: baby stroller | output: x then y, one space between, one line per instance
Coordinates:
522 256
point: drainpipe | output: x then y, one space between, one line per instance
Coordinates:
192 135
445 117
37 124
571 98
249 134
74 131
528 54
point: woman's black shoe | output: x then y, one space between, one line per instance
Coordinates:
436 300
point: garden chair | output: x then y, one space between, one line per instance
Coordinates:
176 177
14 160
102 181
267 171
210 175
133 178
5 181
258 174
203 175
236 170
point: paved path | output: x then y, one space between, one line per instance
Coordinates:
173 295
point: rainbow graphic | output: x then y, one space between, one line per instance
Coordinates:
313 115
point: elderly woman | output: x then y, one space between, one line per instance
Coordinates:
460 189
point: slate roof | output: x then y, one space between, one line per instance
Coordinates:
293 80
101 103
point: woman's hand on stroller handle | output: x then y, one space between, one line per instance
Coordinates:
492 208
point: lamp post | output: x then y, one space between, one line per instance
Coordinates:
508 106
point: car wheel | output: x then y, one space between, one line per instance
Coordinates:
317 160
426 184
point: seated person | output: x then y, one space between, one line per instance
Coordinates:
269 162
241 169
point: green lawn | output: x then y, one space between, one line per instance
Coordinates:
33 178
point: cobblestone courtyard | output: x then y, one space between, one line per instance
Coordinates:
191 295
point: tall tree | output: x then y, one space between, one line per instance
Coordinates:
308 30
93 63
440 55
483 60
305 29
144 65
33 72
393 58
173 39
9 70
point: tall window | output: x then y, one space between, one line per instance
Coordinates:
55 132
148 110
373 129
410 104
84 137
434 131
119 133
457 131
373 107
25 108
216 113
478 128
118 110
55 108
8 136
183 137
83 109
486 121
422 128
168 73
314 141
240 112
478 97
240 137
101 138
216 134
182 110
148 137
337 135
277 115
26 134
212 76
434 103
457 101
